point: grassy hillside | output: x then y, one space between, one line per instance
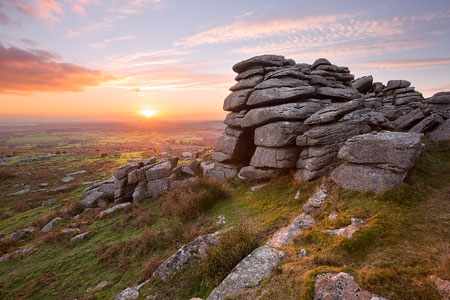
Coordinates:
406 235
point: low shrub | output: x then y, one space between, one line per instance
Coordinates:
234 245
192 199
445 266
6 244
43 220
149 267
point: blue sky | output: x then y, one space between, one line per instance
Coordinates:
176 56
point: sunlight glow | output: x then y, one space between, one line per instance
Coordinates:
148 113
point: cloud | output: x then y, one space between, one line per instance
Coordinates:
331 26
404 64
173 79
29 42
28 71
72 34
103 44
436 89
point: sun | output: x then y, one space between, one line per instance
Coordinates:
148 113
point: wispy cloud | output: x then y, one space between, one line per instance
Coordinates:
28 71
404 64
72 34
173 79
436 89
332 26
103 44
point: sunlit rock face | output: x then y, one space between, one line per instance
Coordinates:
295 117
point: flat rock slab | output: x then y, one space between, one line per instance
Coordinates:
185 255
349 230
340 286
339 94
260 61
333 112
277 95
280 158
249 272
131 292
251 172
236 101
285 235
221 171
284 112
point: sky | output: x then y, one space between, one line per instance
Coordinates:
102 60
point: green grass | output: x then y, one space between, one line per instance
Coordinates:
407 229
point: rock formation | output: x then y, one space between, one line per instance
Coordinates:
288 117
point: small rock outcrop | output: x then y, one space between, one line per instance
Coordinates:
340 286
249 272
377 161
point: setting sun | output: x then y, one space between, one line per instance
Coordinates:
148 113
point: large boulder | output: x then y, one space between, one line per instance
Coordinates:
247 83
284 112
377 161
231 148
340 94
286 235
363 84
251 172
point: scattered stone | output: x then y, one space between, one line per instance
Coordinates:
340 286
221 220
130 292
258 187
50 225
21 192
297 195
113 209
17 253
68 179
92 199
249 272
43 184
49 202
302 253
332 216
77 173
349 230
70 230
251 172
80 236
98 287
59 189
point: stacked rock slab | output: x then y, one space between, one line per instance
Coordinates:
288 117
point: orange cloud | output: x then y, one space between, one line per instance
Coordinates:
28 71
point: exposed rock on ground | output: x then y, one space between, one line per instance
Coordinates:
285 235
340 286
349 230
249 272
443 287
185 255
